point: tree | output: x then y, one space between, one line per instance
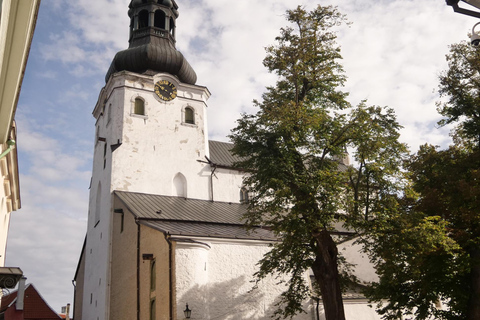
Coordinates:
292 149
460 83
427 250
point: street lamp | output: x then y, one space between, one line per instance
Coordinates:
187 312
473 3
475 37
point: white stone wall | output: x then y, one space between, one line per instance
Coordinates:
214 278
227 185
158 146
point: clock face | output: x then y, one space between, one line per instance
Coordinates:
165 90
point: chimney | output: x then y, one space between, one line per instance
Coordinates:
21 294
67 312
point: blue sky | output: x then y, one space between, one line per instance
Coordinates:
393 53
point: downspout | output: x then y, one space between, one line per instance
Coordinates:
11 144
170 274
138 269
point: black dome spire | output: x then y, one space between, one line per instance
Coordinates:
152 42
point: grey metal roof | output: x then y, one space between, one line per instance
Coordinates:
220 153
192 217
152 206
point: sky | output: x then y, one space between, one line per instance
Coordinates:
393 53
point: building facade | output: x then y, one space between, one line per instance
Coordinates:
166 204
17 24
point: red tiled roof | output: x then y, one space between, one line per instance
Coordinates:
34 305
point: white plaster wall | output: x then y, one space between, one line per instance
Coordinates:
227 185
157 146
216 281
363 269
355 310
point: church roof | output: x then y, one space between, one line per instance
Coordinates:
192 217
221 155
152 42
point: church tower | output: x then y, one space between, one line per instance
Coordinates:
151 138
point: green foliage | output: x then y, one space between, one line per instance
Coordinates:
427 248
423 250
293 146
461 85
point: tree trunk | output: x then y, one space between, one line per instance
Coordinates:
325 270
473 307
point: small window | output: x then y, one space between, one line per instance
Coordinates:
152 310
143 19
159 19
105 155
109 113
153 275
98 203
244 198
139 107
189 116
122 222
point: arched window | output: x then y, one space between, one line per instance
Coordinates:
152 310
189 115
159 19
139 107
172 27
153 275
180 185
244 195
143 19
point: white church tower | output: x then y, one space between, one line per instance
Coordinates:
151 128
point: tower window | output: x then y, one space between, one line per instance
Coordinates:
139 107
159 19
105 155
98 203
109 113
143 19
189 115
244 195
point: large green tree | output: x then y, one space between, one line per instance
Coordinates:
427 250
293 148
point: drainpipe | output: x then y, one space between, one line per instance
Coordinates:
170 273
138 269
11 144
